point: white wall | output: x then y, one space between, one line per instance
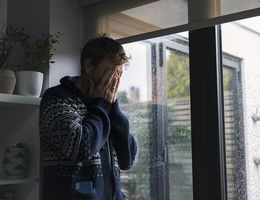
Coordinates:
65 17
3 12
42 17
243 43
33 15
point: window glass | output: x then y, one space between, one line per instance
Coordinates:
241 76
155 95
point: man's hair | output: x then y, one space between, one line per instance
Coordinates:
101 48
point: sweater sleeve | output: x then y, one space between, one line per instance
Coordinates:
123 140
64 129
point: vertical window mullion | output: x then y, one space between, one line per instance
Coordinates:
159 172
206 122
221 113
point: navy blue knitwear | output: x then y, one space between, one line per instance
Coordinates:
82 140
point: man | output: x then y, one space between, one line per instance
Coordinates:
84 136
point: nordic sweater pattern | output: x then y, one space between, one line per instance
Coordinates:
93 133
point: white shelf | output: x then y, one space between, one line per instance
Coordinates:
18 99
17 181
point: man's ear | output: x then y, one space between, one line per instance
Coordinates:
88 67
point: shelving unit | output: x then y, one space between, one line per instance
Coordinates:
10 99
17 181
19 117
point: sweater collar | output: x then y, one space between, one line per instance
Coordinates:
69 83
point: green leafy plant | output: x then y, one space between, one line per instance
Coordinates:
38 51
8 37
178 80
180 134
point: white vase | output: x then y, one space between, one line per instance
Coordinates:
28 83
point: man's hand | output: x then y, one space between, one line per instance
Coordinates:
116 83
107 87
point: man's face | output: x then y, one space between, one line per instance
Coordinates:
97 72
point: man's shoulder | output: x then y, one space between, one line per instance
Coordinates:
59 95
56 91
54 94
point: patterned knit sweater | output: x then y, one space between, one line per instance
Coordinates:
82 140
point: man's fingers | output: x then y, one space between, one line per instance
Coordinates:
116 88
108 85
120 73
111 79
117 84
109 95
113 89
117 81
106 77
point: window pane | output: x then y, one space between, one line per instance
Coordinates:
154 94
241 75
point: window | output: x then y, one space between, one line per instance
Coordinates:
234 130
158 108
241 40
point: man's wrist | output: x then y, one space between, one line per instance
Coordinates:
102 103
115 110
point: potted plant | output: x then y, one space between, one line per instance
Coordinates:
8 37
34 53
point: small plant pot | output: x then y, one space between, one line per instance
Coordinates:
28 83
7 81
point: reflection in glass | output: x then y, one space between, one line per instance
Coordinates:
154 94
241 75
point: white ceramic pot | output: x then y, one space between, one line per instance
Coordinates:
28 83
7 81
